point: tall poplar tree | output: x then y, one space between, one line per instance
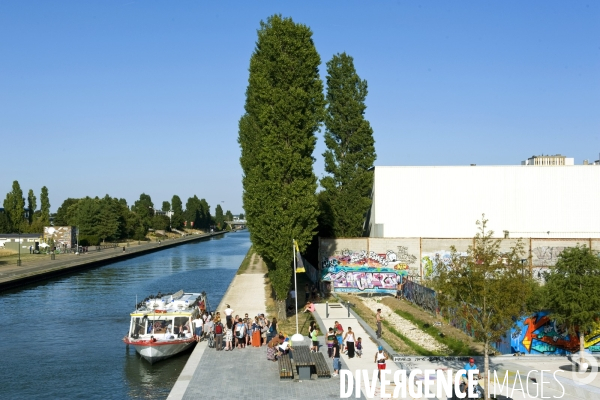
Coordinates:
219 217
45 206
31 205
14 207
350 150
177 217
284 108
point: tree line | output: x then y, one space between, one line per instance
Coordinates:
285 107
107 218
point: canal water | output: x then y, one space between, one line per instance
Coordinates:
62 338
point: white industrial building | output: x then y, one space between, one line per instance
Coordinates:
528 201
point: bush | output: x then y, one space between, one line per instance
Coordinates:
89 240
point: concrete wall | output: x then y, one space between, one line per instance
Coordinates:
526 201
378 264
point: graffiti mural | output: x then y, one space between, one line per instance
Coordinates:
546 256
420 295
538 334
430 261
362 271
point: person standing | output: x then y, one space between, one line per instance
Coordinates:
198 322
380 358
228 313
336 357
229 336
218 335
379 318
315 341
330 339
349 339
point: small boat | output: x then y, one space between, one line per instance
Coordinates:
161 325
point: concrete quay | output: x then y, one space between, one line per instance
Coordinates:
42 267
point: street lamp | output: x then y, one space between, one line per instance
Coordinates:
19 260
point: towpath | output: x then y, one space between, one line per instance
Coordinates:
37 267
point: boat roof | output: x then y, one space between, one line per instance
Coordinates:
176 303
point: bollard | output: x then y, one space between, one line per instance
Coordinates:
348 302
327 309
53 256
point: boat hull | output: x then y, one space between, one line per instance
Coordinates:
159 350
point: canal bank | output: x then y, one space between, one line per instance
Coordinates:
43 267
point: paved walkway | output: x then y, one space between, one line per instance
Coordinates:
338 312
209 374
41 266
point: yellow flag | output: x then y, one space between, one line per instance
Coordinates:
299 263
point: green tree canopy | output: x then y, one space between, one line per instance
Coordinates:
60 219
219 217
14 207
45 207
350 150
228 216
284 108
31 204
487 287
177 217
166 206
144 208
572 291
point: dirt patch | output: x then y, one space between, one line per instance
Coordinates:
256 265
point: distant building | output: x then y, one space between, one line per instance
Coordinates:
546 160
12 241
62 236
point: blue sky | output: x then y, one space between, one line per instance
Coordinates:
125 97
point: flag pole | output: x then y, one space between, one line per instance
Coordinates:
297 337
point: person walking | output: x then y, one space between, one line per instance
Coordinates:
380 358
379 318
349 339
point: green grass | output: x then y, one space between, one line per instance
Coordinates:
246 262
457 347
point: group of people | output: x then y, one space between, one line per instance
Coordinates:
234 331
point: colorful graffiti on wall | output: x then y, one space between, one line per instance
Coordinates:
538 334
364 271
430 261
420 295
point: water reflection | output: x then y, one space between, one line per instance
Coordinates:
62 338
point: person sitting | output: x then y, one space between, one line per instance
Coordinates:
310 307
285 347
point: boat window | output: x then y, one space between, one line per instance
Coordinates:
181 322
159 325
139 326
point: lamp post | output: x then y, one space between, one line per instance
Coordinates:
19 260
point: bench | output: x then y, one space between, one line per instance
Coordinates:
321 365
285 367
303 361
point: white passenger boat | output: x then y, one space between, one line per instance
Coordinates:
161 325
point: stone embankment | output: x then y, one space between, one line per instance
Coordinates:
407 328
